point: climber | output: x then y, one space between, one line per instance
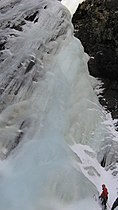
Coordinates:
115 204
104 196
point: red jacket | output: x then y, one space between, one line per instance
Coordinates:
104 193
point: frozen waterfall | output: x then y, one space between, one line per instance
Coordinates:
47 106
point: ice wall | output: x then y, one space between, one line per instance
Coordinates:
47 105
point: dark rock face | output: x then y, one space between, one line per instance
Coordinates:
96 25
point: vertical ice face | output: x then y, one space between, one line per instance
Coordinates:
31 33
42 171
47 102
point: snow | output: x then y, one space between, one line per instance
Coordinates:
94 172
71 5
55 166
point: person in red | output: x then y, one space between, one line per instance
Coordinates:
104 196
